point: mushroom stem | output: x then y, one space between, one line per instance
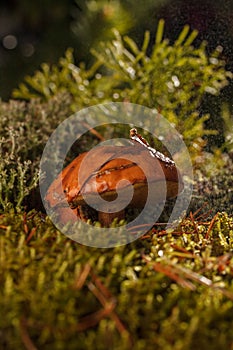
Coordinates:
107 218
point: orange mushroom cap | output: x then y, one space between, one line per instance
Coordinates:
100 171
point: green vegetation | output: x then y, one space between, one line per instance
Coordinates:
24 130
171 289
174 79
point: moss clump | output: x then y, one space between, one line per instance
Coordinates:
213 188
24 131
168 290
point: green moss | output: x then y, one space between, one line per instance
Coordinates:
168 291
213 189
174 79
24 131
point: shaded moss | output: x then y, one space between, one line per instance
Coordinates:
213 188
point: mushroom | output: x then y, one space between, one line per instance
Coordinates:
108 173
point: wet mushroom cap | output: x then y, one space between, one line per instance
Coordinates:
110 179
104 171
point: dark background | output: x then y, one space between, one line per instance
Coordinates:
32 32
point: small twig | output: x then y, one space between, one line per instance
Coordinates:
137 228
186 253
106 304
174 233
145 236
147 225
197 211
211 226
105 291
78 284
174 272
105 298
170 272
102 295
203 215
195 225
205 281
25 336
4 227
93 319
151 227
97 293
31 234
93 131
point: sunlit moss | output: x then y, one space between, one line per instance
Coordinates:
166 289
174 79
